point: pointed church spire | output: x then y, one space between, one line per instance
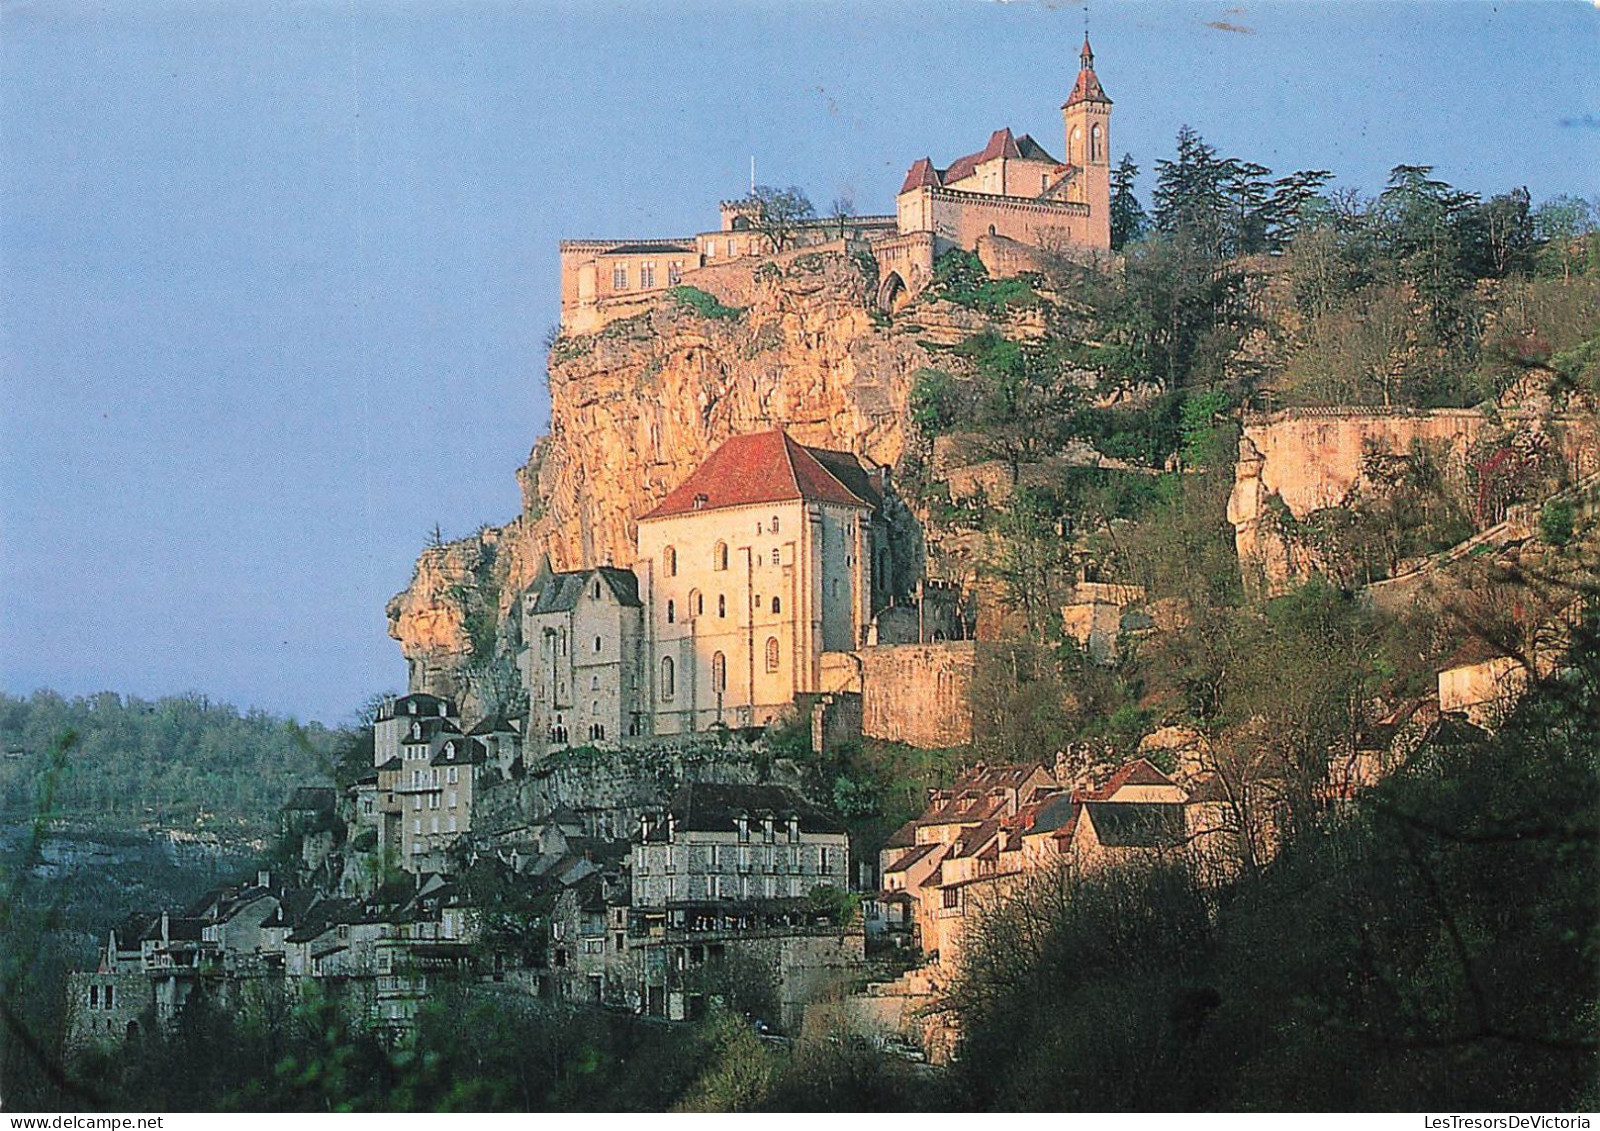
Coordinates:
1087 88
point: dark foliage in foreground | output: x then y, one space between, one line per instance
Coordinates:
1435 945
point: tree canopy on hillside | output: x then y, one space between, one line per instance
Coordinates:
181 760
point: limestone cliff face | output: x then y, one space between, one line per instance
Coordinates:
638 405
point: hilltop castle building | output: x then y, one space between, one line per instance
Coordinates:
1010 190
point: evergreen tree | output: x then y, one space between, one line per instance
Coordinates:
1128 221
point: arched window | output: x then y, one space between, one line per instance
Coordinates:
672 613
777 605
722 605
774 524
598 643
697 603
719 556
595 592
1094 144
719 672
1076 148
668 678
772 653
669 561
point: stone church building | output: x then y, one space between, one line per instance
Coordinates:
755 580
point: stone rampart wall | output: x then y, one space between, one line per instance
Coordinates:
918 693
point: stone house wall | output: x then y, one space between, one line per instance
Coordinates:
90 1021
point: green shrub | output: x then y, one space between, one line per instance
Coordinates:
933 401
1557 521
703 303
960 277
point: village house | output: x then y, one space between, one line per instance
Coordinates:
996 824
382 959
724 873
441 770
395 716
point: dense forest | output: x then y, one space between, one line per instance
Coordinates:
178 762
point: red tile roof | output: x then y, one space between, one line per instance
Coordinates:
921 173
1001 144
768 467
1137 772
1087 88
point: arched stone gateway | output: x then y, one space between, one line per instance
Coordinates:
892 293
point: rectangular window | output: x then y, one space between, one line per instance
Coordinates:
433 826
433 801
94 997
619 277
731 251
647 275
111 997
416 801
452 824
826 863
416 827
450 776
452 799
952 897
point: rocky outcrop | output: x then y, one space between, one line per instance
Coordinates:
1300 461
638 405
450 614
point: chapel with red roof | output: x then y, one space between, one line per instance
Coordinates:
1014 189
755 581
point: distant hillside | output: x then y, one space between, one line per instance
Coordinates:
180 762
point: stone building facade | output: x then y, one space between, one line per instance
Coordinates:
583 665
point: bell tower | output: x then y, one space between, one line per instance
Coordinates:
1087 117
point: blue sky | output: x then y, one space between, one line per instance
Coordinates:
275 276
